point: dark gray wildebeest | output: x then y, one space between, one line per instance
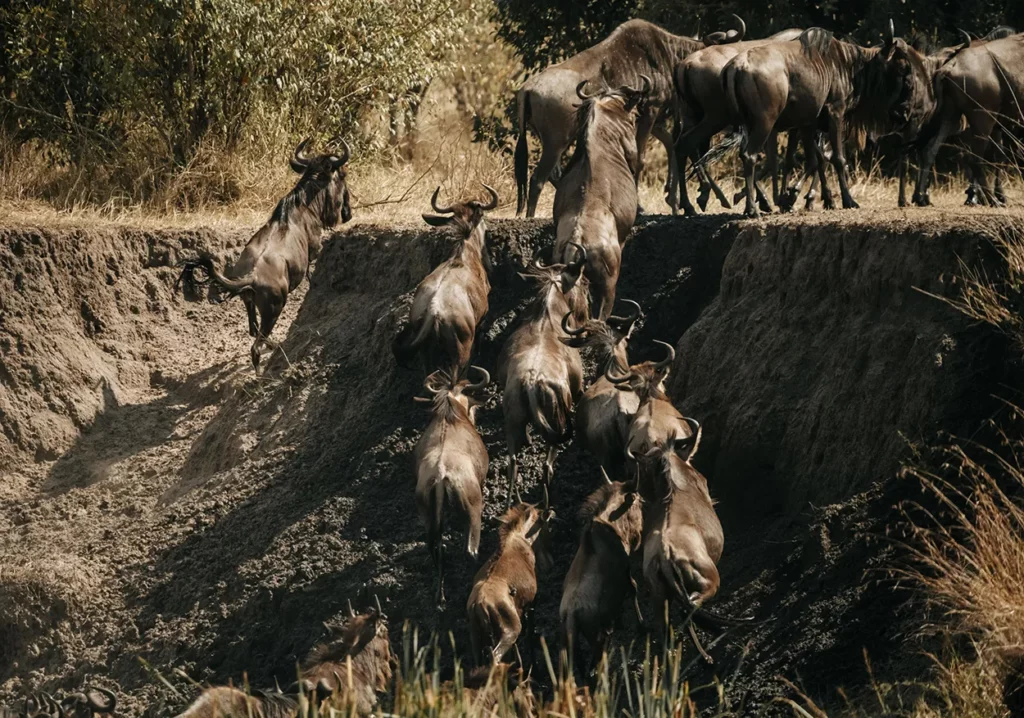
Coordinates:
345 673
604 413
452 300
981 83
683 539
93 702
599 579
595 203
797 85
277 258
542 378
504 588
547 99
451 464
703 111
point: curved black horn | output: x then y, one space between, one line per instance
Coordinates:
967 38
693 424
433 202
300 157
347 152
890 36
741 33
376 598
98 707
582 259
351 611
580 93
484 381
494 198
571 332
646 89
615 378
629 319
670 355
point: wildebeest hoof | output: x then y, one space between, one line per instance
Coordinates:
851 204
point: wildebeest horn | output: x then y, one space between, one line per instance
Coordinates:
433 202
670 355
376 598
340 161
738 34
351 611
615 378
646 90
494 199
300 157
484 381
627 320
693 424
96 705
890 37
580 93
967 37
571 332
582 258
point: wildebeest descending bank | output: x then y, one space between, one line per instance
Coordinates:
982 82
795 85
595 204
277 258
546 100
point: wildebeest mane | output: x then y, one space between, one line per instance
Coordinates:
593 504
276 704
512 519
998 33
309 192
816 39
545 277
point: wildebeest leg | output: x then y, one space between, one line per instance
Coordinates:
439 559
661 133
250 308
688 147
773 165
901 165
949 123
749 167
636 600
697 644
978 146
836 136
1000 193
509 634
549 472
816 164
551 153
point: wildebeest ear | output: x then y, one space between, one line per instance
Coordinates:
435 221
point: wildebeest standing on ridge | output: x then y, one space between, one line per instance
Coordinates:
348 670
595 203
452 300
451 465
984 83
599 578
546 100
793 85
604 412
504 588
277 258
541 377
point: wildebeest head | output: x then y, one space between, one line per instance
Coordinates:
903 82
454 397
630 99
603 335
91 702
364 639
464 214
323 183
532 524
566 280
646 378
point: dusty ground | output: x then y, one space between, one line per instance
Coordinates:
160 502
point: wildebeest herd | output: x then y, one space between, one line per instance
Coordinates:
650 500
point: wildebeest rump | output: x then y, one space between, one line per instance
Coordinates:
546 100
596 199
452 300
348 670
796 85
983 83
541 377
451 465
599 578
277 258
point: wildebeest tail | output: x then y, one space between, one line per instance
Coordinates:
718 152
522 156
703 617
233 287
549 412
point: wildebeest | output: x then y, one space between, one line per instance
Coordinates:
349 669
451 465
703 110
596 199
546 100
981 82
277 258
450 302
794 85
541 377
604 412
504 588
489 689
599 578
684 539
90 703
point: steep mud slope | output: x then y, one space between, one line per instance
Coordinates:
213 521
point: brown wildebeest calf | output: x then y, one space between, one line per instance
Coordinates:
596 199
450 302
795 85
348 671
684 538
451 465
504 588
599 579
542 377
277 258
604 412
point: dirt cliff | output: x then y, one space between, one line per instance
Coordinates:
162 502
